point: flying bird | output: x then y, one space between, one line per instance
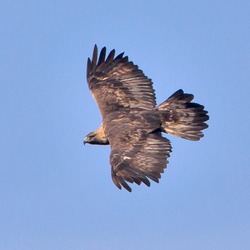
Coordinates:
132 123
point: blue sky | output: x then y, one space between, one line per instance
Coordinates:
56 193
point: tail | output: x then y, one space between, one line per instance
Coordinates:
183 118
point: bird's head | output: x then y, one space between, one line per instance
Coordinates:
90 138
95 138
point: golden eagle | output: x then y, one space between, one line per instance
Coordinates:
132 124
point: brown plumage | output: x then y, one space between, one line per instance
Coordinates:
132 123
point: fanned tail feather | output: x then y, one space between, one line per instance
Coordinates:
183 118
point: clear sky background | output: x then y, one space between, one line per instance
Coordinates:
56 193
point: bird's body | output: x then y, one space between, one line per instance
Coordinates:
132 124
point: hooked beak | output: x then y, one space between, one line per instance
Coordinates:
85 140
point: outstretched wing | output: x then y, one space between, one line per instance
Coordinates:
116 83
143 158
